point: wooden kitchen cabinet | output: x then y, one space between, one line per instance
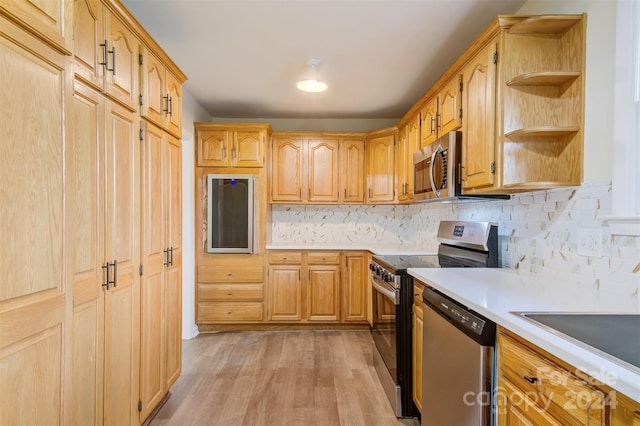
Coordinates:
160 94
106 52
233 145
526 132
47 19
535 388
352 168
230 290
322 170
34 294
304 286
161 280
381 167
479 103
442 113
355 280
317 168
285 286
106 247
408 143
417 346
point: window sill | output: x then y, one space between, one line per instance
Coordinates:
624 225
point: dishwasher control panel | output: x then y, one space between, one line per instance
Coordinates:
455 312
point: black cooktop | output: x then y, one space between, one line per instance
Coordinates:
398 264
617 335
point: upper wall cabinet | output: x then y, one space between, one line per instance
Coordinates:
381 167
46 18
479 103
106 52
232 144
318 168
160 94
537 142
408 143
442 113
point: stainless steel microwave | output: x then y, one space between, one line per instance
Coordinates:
437 169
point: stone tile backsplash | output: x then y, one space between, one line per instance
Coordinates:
538 232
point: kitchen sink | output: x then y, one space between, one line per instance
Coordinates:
616 336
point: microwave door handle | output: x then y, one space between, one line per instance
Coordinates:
431 170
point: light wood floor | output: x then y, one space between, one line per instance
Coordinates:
266 378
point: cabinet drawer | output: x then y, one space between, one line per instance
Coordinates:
323 258
568 397
230 292
231 274
285 258
232 312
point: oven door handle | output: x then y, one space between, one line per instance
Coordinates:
391 295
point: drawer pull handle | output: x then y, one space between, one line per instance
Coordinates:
229 294
531 380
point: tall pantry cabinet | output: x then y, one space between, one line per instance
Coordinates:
35 292
70 299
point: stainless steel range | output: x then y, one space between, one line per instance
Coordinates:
462 244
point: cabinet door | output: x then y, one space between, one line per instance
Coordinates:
323 295
429 129
88 34
45 17
402 153
34 288
352 170
517 409
418 326
285 293
86 194
354 291
122 62
154 257
449 104
286 170
173 282
122 304
380 169
322 167
213 148
154 101
248 149
478 139
174 91
413 142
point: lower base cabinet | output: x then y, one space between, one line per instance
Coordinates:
535 388
317 287
418 326
230 290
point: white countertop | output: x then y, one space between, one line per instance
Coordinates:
495 293
377 249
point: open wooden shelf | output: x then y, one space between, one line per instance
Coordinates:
543 131
545 24
544 78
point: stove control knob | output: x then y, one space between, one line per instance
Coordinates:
372 267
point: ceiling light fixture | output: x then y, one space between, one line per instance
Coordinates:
312 84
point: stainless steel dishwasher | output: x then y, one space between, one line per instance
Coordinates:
458 364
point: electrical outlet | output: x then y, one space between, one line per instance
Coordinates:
590 242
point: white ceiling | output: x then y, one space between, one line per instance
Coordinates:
378 57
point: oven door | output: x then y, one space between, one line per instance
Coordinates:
385 304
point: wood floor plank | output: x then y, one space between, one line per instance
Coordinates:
275 378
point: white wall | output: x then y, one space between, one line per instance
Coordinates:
319 124
191 112
600 77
